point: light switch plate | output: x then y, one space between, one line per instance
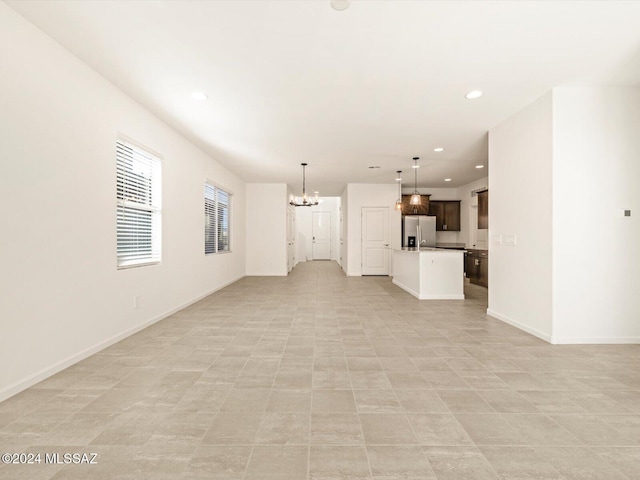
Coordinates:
509 240
497 239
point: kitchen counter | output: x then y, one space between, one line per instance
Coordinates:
426 249
430 273
452 246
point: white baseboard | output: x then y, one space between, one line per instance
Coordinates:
262 274
442 297
406 289
555 340
595 340
521 326
18 387
428 297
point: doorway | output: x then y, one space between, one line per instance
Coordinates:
375 241
321 235
291 238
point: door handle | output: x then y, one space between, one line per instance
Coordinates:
386 244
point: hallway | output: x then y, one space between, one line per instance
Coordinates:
320 376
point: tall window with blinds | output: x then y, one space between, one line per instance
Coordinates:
216 219
138 192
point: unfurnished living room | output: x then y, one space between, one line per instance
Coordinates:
319 240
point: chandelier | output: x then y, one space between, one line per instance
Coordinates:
304 201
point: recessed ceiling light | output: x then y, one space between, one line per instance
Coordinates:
438 149
339 5
479 166
473 94
199 95
447 179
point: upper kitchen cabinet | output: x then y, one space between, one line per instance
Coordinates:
447 213
422 209
483 210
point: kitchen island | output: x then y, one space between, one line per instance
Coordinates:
430 273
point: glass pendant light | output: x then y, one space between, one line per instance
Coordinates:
306 201
415 196
399 180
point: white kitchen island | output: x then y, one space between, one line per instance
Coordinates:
430 273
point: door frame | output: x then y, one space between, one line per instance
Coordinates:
387 246
313 241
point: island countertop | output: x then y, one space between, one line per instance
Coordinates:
430 273
427 249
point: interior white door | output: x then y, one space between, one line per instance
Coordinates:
321 235
341 246
291 238
375 241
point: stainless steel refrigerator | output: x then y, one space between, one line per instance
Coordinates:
422 228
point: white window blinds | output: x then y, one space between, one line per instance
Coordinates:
138 192
216 218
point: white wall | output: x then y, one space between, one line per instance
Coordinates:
596 251
304 216
562 171
368 195
62 296
520 193
266 241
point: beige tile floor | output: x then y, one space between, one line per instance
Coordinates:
319 376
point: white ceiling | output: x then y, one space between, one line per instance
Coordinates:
376 84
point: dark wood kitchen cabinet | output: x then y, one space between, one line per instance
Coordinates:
483 209
447 213
477 267
422 209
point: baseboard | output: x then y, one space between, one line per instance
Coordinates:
555 340
595 340
262 274
428 297
406 289
521 326
442 297
18 387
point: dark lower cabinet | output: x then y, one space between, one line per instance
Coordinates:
477 267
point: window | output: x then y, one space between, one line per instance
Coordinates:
216 219
139 199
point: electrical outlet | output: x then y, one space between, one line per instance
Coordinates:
136 302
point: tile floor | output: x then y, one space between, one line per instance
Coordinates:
318 376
